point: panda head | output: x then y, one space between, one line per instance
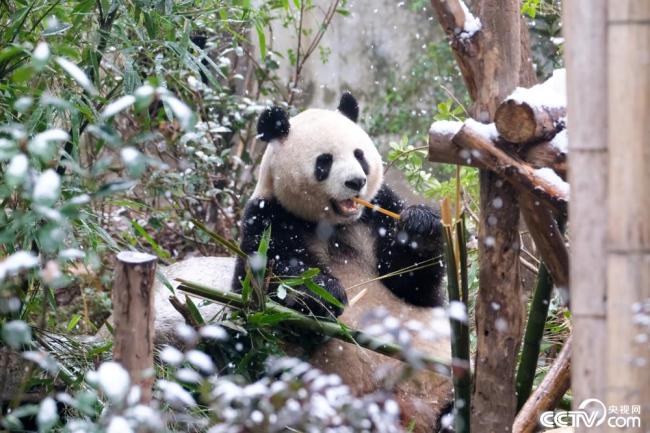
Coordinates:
317 161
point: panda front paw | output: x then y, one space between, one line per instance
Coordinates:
420 228
308 302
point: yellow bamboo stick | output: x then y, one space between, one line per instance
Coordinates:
377 208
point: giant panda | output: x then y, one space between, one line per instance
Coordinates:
313 165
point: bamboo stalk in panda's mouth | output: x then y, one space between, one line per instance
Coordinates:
375 207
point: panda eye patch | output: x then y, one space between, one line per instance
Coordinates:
323 166
358 154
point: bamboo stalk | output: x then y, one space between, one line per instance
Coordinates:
535 329
548 394
331 329
457 287
375 207
533 336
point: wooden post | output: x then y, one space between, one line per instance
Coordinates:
628 246
584 27
133 317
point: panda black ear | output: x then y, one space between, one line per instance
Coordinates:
272 124
349 107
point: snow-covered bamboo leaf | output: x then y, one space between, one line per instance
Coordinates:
77 74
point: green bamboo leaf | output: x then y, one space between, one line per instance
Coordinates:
194 311
229 245
161 252
261 37
318 290
73 322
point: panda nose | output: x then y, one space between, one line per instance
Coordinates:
356 183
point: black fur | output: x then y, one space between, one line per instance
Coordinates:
358 154
289 255
323 166
415 239
272 124
349 107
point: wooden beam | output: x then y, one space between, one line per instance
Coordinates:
538 155
628 246
522 176
585 31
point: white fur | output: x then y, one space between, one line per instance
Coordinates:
421 397
288 164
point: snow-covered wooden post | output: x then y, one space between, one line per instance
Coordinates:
585 31
133 317
628 226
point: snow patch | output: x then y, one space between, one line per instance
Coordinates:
47 188
551 177
561 141
551 93
472 24
457 311
17 262
77 74
118 105
17 168
444 127
113 380
487 131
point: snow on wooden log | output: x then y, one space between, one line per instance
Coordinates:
441 148
534 114
133 317
541 183
538 155
548 393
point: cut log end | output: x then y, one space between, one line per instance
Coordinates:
515 122
522 122
135 257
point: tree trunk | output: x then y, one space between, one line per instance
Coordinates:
585 30
628 246
490 62
133 317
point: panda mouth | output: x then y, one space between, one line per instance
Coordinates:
347 207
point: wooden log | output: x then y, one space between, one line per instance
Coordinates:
522 122
548 394
548 239
441 147
133 317
522 176
628 234
538 155
544 154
